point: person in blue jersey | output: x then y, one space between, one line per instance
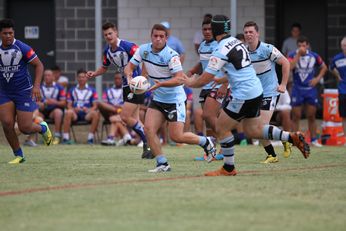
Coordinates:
163 66
212 94
338 67
263 57
233 58
53 102
118 52
17 91
81 106
110 109
304 64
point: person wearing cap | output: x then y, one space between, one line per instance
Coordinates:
174 42
233 58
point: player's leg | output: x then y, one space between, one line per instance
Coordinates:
342 110
7 117
153 120
93 117
57 116
211 109
296 117
310 115
69 117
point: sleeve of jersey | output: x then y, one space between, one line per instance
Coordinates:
29 53
291 56
216 62
94 96
136 58
69 96
319 60
133 49
175 64
332 64
105 60
275 54
62 94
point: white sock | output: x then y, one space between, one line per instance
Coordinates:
66 136
90 135
127 137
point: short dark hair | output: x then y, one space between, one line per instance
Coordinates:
6 23
208 16
251 23
81 71
240 36
159 27
206 21
55 68
297 25
108 25
302 39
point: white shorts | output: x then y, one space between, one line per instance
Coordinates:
284 103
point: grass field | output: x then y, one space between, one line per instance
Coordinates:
96 188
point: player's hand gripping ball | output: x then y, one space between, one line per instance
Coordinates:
139 85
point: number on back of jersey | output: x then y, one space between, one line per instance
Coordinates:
239 56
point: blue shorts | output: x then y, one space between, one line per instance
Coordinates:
301 96
81 116
21 99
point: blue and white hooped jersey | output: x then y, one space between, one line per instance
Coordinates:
339 62
82 97
113 96
205 51
263 60
232 57
161 66
120 57
14 74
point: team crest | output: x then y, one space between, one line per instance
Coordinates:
14 54
145 54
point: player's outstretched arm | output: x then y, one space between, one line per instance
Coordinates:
200 81
99 71
38 66
128 71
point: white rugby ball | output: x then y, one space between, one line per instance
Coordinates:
139 85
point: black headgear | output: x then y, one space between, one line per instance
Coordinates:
220 24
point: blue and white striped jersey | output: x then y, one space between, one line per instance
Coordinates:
233 58
161 66
205 51
263 60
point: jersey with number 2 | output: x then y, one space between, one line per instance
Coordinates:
233 58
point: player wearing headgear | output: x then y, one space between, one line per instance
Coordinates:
263 58
17 92
232 56
212 94
163 66
118 52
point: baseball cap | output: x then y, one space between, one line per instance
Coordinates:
166 24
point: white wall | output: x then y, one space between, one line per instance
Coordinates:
136 17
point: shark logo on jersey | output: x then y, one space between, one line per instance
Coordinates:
9 63
145 54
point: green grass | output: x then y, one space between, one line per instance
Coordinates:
110 189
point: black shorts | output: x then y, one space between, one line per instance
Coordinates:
171 111
128 96
212 93
342 105
269 103
241 109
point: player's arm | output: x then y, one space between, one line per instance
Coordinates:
197 69
38 67
132 65
336 73
285 70
294 60
100 71
200 81
322 72
177 80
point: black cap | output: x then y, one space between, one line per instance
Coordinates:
220 24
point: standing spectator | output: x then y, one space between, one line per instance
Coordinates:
174 42
17 90
53 102
60 79
303 63
290 43
110 108
338 67
81 106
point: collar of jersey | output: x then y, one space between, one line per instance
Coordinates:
157 53
14 40
86 86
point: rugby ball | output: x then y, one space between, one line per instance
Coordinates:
139 85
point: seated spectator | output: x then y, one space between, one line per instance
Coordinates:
81 106
110 109
62 80
53 102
